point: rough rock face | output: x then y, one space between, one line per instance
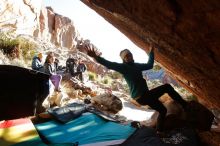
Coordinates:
19 16
58 29
32 18
91 64
185 33
107 102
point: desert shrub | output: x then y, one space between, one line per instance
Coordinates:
154 83
28 48
126 88
8 44
92 76
106 80
15 47
114 86
115 75
156 68
191 98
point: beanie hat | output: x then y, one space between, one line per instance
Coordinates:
40 55
123 53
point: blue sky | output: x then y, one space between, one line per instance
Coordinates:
93 27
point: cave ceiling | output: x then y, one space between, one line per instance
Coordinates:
186 35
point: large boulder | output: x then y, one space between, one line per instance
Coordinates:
195 116
185 33
30 17
22 92
20 16
107 102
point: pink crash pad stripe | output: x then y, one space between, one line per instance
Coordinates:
16 122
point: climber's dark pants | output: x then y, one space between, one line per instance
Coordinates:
151 98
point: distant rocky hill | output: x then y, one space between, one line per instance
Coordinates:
49 30
32 18
160 75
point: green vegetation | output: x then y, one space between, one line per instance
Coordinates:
106 80
156 67
28 48
92 76
17 47
115 75
7 44
126 88
191 98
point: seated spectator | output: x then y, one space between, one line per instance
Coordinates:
59 69
81 68
37 63
49 68
56 63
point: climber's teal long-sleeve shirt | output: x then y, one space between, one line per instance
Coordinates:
132 73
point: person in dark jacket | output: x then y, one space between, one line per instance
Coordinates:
81 68
37 63
71 65
132 72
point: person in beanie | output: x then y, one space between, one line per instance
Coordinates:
132 72
37 63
